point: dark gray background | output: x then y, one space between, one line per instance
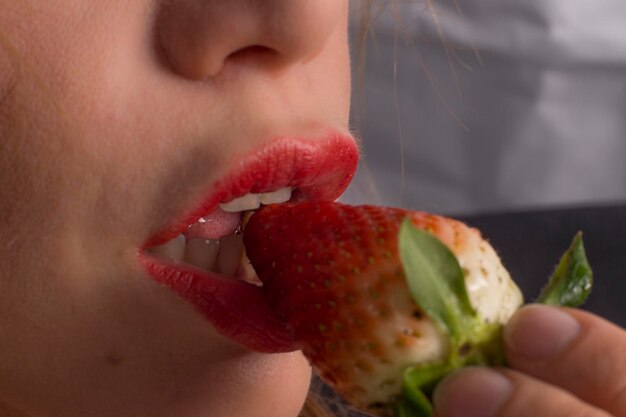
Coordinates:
531 243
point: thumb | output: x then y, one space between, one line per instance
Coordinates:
575 350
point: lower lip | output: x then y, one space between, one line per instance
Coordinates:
237 309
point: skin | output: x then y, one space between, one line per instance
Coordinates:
113 115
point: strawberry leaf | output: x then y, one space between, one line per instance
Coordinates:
436 281
418 384
571 282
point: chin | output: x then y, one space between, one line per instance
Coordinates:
258 385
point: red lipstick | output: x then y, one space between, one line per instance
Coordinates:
317 170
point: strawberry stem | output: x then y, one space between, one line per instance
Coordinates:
418 384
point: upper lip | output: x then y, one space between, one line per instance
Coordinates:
317 169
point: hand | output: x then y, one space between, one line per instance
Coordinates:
563 362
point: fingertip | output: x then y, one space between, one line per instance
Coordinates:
472 392
538 332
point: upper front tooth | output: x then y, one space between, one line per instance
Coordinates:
252 201
247 202
275 197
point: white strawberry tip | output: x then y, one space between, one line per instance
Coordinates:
215 242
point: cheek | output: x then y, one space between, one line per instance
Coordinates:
8 76
323 84
273 385
333 71
340 65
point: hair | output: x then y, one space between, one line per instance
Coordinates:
323 401
314 408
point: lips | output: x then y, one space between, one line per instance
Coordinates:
317 170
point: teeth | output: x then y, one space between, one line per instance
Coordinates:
202 253
231 250
172 250
275 197
227 255
247 202
252 201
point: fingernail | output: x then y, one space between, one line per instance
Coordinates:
472 392
540 332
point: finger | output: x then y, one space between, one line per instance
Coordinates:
577 351
482 392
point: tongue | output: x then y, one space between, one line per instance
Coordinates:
214 225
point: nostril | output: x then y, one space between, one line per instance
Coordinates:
261 55
255 50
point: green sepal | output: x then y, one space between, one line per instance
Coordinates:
436 280
418 384
571 282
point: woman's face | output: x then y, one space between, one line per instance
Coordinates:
117 118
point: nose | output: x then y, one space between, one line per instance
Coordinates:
199 37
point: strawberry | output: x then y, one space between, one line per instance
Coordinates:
334 274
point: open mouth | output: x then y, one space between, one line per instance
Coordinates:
215 242
201 257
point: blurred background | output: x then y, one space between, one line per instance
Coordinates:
509 114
